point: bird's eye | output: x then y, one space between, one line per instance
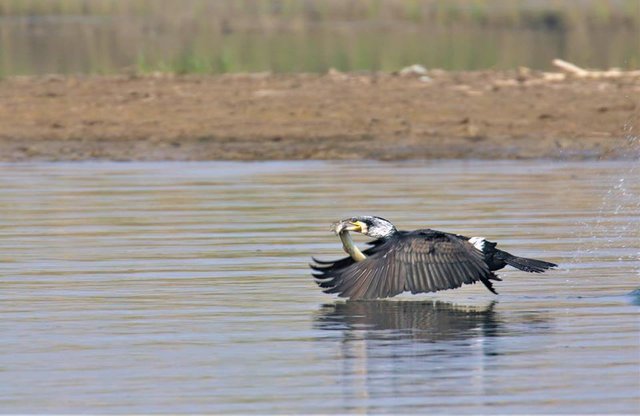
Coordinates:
354 219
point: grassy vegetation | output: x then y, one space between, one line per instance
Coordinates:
551 14
203 36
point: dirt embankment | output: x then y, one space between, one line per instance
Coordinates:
488 115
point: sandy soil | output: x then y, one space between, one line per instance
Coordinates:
488 115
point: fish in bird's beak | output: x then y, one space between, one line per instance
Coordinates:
346 225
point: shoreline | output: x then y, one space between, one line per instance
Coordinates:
521 114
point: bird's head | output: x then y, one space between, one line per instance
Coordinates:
374 227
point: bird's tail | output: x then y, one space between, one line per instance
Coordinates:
527 265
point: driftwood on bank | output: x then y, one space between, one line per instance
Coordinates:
527 77
576 71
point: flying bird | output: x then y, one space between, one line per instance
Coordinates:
417 261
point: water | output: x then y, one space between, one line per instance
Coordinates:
183 287
199 36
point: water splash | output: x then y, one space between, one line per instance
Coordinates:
617 225
615 231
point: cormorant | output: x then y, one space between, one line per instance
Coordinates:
416 261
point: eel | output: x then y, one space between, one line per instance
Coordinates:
347 242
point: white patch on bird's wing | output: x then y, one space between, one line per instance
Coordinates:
478 242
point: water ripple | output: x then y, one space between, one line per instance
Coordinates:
183 287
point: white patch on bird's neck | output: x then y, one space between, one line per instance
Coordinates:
478 242
380 229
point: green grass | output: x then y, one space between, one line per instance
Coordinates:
204 36
511 13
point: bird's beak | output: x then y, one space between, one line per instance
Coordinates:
346 225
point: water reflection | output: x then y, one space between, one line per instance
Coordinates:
195 36
635 297
183 288
394 351
426 321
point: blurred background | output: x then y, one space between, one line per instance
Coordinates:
201 36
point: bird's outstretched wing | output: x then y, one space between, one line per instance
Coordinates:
417 261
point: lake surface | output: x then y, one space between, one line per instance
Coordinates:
183 287
200 36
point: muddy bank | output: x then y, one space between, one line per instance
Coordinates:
489 115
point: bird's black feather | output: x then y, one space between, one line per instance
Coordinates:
417 261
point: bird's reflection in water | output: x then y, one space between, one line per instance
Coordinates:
416 348
428 321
